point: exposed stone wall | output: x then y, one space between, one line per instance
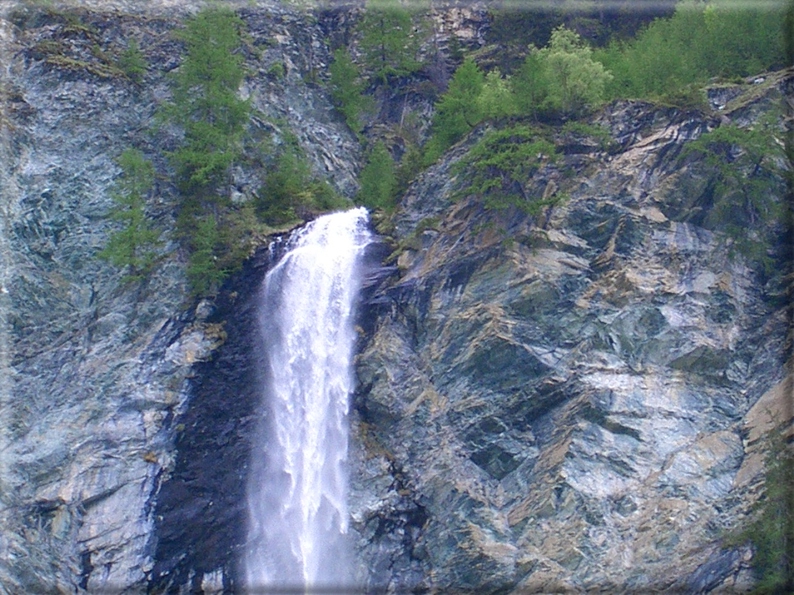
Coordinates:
95 372
567 401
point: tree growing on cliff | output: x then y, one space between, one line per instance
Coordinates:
530 85
771 530
575 81
746 177
458 111
135 244
347 90
499 166
133 63
378 180
205 102
207 109
388 41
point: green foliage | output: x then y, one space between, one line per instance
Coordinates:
277 71
205 106
132 62
410 165
291 191
531 85
701 40
575 80
499 165
205 103
771 532
496 98
747 176
594 131
513 29
388 41
203 270
378 180
458 111
134 246
347 90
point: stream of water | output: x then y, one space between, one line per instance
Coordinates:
298 480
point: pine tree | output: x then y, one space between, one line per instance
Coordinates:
459 109
531 85
388 41
205 102
203 271
132 62
378 180
347 90
134 246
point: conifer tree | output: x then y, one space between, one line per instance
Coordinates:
134 245
530 85
205 102
388 41
378 180
459 109
347 90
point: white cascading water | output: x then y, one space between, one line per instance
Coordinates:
297 487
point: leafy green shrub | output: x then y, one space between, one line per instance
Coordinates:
701 40
594 131
378 180
575 81
277 71
499 165
496 98
135 245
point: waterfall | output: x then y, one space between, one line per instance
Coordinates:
297 483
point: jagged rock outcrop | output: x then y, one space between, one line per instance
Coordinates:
572 401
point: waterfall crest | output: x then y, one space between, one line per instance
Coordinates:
297 485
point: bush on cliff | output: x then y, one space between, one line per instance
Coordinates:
498 167
347 90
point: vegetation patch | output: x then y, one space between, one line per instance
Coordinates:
748 166
498 167
770 531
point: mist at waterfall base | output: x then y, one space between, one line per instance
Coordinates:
297 521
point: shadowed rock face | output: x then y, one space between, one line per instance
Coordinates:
564 402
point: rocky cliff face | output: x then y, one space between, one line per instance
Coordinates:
569 401
96 374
